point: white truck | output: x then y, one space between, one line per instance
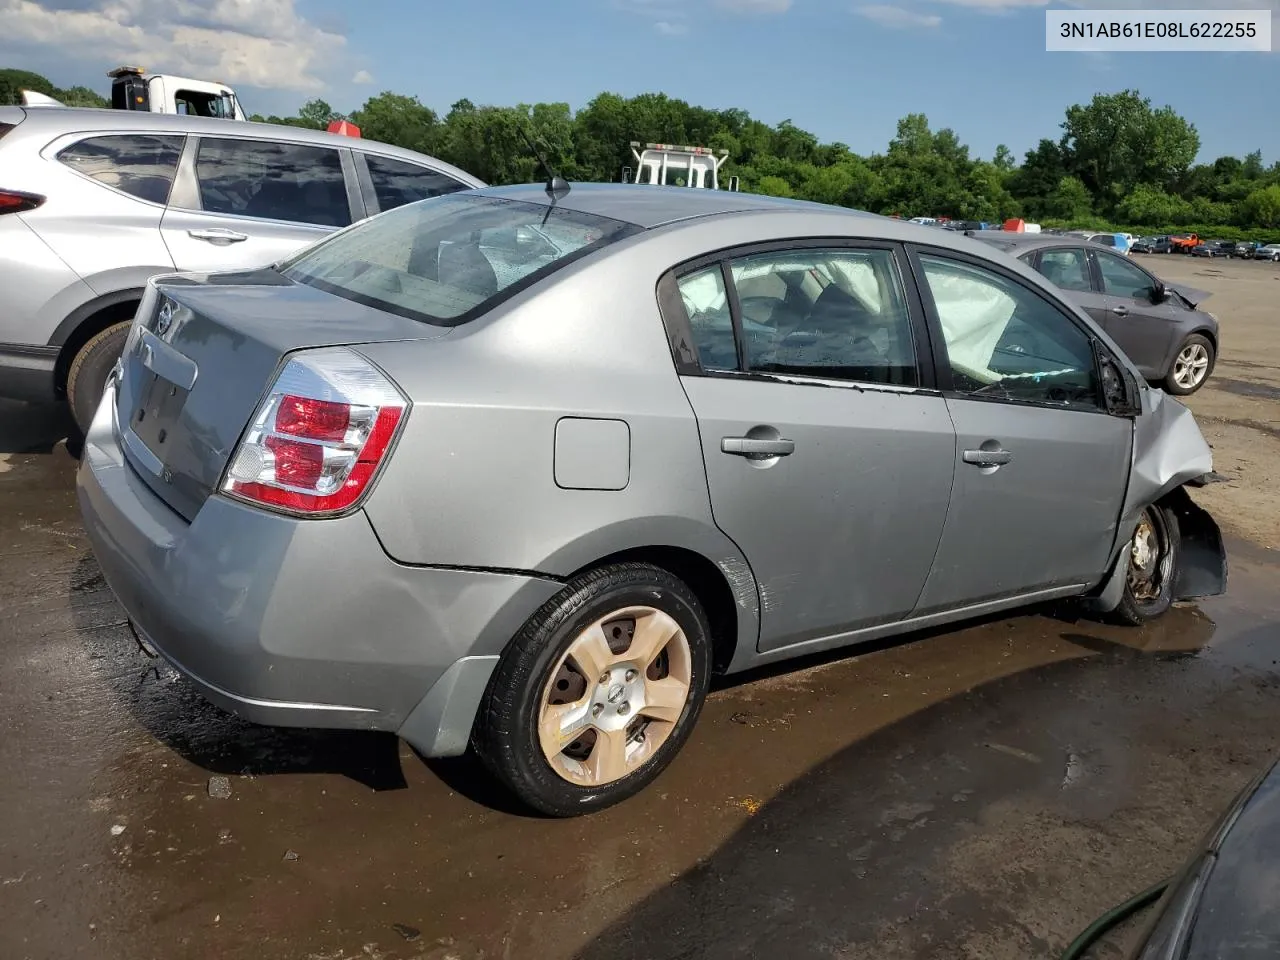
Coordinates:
663 164
132 88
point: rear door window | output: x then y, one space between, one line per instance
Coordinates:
141 165
272 180
836 314
397 182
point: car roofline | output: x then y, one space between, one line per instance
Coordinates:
60 121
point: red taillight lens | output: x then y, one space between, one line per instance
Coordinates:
13 201
317 440
314 419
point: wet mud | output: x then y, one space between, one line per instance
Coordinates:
981 792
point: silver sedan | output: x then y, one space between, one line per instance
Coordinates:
519 470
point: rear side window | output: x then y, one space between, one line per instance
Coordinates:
397 182
451 258
272 180
140 165
5 128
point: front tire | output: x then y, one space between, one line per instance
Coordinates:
1152 567
1191 367
87 377
598 692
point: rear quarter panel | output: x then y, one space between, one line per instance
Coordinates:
473 479
39 288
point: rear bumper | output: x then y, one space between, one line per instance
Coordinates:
26 372
299 622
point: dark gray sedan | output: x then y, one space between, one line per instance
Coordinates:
1158 324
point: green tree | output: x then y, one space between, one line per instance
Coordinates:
317 114
396 119
1070 200
1262 208
13 82
774 187
1118 141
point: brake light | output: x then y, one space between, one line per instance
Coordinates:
317 440
13 201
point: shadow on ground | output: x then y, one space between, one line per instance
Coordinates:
932 837
35 427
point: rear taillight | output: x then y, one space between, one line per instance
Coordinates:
317 440
13 201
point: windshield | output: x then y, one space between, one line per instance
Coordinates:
450 258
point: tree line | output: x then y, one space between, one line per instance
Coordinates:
1118 161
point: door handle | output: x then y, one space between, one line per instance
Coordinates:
757 448
988 458
217 235
1120 311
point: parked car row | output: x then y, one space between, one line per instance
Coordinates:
1240 249
95 202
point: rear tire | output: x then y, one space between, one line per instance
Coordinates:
1151 567
598 691
89 371
1192 366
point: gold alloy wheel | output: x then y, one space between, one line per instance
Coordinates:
615 696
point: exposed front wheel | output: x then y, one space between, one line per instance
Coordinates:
1191 367
87 377
598 692
1151 572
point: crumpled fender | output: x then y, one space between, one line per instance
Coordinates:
1168 452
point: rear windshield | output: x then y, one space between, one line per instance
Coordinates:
450 258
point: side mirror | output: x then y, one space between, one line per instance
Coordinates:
1159 293
1119 392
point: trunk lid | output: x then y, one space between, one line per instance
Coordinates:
206 349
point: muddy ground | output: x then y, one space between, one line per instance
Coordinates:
979 793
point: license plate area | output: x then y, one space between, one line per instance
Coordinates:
156 415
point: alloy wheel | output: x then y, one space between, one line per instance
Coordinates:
1191 366
615 696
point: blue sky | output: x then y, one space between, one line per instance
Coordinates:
844 69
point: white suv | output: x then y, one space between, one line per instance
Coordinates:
94 202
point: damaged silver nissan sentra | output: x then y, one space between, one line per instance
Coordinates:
521 468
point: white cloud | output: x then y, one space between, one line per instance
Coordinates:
754 6
669 29
363 77
259 43
898 18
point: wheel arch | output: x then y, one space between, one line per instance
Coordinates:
86 322
695 551
709 584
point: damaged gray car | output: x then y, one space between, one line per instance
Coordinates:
432 478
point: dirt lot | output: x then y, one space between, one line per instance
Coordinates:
979 794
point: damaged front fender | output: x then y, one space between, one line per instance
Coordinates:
1169 452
